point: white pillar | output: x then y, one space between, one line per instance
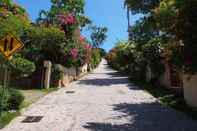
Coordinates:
47 74
190 89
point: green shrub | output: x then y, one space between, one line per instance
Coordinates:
12 99
57 74
23 66
7 117
44 44
12 25
5 97
15 99
96 57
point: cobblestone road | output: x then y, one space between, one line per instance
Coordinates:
102 101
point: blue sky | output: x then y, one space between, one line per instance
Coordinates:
109 13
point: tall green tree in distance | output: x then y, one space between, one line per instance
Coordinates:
98 36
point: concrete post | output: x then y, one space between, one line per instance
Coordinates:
47 74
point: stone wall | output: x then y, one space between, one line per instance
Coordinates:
83 70
188 87
71 74
163 80
167 78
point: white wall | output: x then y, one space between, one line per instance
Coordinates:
190 89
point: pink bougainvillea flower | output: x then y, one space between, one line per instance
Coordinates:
70 19
74 53
87 46
82 38
67 19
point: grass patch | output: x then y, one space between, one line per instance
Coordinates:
31 96
49 90
168 98
7 117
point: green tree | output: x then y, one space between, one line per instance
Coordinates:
98 36
174 21
75 7
44 43
178 19
141 6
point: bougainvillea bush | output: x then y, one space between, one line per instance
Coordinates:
56 36
68 17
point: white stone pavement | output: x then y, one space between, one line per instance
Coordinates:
102 101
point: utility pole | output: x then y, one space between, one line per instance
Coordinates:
4 86
129 24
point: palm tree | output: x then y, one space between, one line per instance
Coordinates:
128 17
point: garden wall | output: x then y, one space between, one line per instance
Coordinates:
179 83
172 79
34 81
37 79
163 80
83 70
71 74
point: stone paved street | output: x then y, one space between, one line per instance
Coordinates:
102 101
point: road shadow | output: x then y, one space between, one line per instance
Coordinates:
111 78
110 73
110 82
104 81
146 117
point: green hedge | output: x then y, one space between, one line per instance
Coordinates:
12 99
23 66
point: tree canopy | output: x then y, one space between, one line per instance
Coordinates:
172 20
98 35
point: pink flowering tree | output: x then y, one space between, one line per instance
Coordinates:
68 15
74 52
68 23
82 39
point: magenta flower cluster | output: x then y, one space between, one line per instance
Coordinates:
67 19
74 53
87 46
82 38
